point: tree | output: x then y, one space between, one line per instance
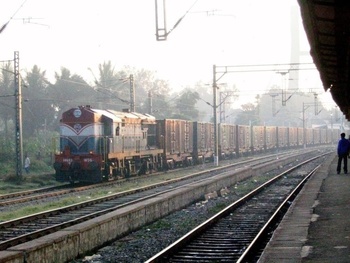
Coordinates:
7 99
248 115
69 91
38 107
153 97
185 105
205 102
7 116
151 94
111 88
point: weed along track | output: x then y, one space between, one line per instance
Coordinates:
37 194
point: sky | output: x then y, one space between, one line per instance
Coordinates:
81 34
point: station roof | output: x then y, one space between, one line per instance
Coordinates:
327 26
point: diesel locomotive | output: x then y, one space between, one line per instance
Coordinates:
99 145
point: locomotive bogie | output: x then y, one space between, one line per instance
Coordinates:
82 168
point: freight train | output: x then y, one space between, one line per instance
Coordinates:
99 145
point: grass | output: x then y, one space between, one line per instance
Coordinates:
12 184
44 180
216 209
34 181
160 224
29 210
78 198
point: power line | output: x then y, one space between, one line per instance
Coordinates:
178 21
161 32
5 25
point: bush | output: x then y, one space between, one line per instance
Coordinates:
7 168
39 166
13 179
42 179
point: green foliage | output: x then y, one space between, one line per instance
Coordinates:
185 105
42 179
7 153
7 168
40 166
248 115
11 183
29 210
38 107
38 148
39 145
7 149
160 224
217 208
13 179
37 167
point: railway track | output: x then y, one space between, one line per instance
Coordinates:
35 194
239 232
44 193
17 231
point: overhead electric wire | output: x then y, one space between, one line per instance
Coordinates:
180 19
5 25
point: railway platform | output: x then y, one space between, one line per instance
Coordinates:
317 226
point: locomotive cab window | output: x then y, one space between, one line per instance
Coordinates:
117 131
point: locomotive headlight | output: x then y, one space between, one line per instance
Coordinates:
91 152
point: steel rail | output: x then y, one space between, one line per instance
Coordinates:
41 193
41 232
178 245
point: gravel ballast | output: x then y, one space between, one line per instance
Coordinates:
141 245
151 239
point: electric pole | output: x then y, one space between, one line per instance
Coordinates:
216 147
132 94
150 102
18 98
